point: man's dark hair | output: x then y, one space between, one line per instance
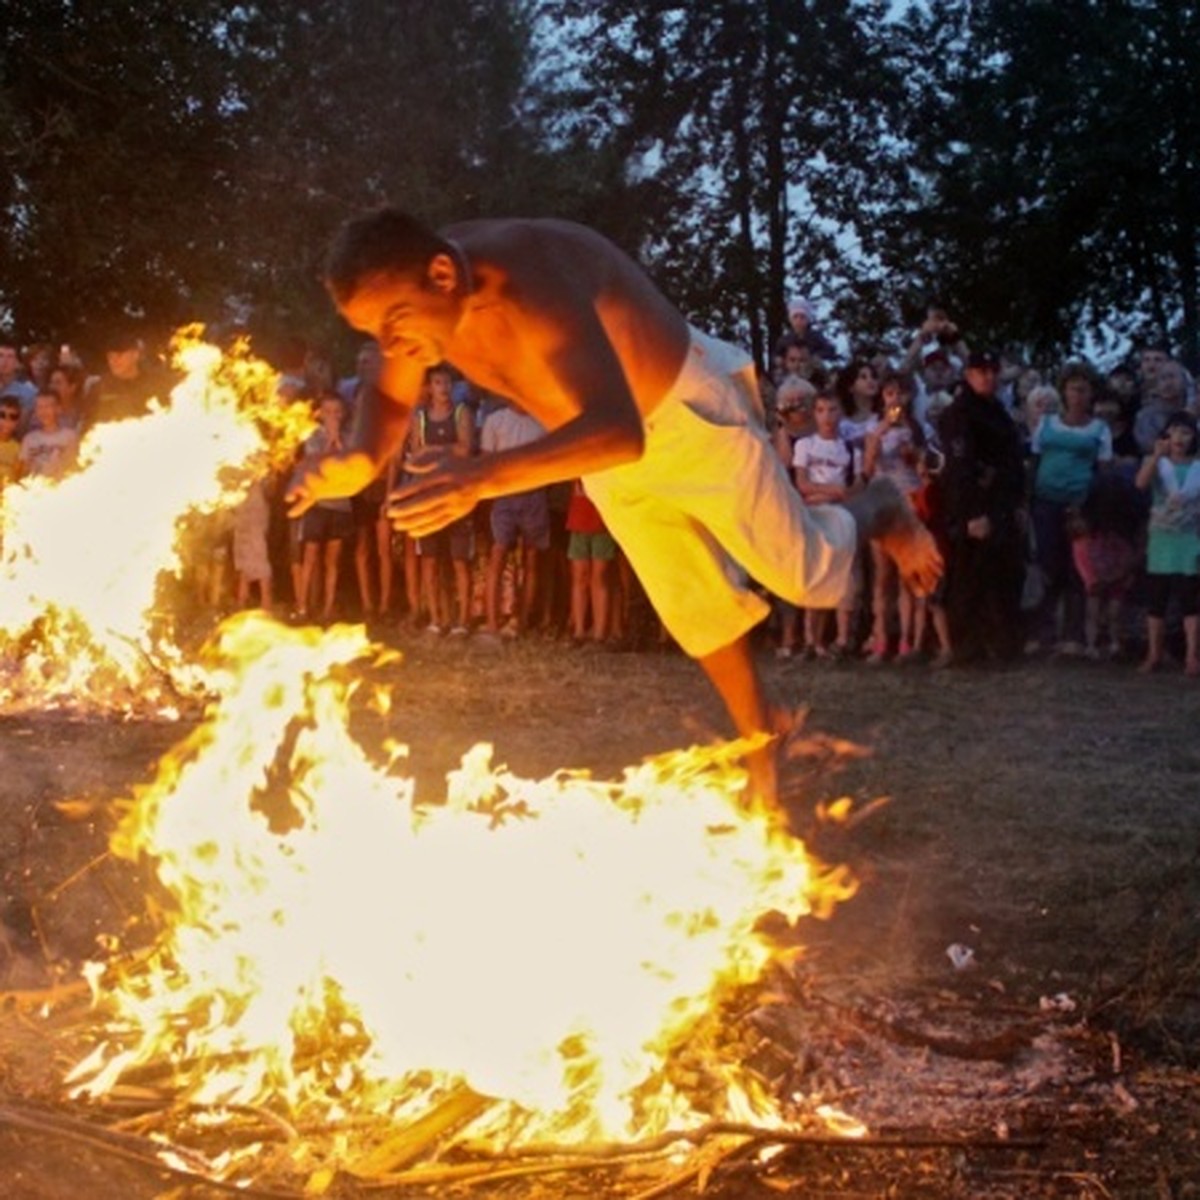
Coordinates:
385 240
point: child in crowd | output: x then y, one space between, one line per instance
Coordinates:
592 553
826 470
251 558
10 447
858 392
1172 476
893 449
67 380
1103 547
928 504
441 428
49 448
328 524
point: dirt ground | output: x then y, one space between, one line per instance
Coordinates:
1045 819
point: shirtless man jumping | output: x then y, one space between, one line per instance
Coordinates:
663 423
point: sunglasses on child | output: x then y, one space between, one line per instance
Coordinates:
9 415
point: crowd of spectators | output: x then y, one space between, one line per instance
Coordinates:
1066 502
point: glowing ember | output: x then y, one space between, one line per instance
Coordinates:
335 949
83 556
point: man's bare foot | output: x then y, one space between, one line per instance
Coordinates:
886 517
762 786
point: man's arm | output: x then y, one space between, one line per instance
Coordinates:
605 430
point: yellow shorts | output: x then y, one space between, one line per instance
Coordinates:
709 502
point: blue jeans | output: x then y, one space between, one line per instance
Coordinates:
1063 585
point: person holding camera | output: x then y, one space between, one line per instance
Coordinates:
934 357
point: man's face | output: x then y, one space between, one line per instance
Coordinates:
799 321
1150 362
796 360
938 374
123 364
410 317
981 380
1169 384
8 362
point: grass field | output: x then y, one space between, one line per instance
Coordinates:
1047 817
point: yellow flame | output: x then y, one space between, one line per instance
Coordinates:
83 556
330 948
546 941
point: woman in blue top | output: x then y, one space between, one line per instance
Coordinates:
1068 448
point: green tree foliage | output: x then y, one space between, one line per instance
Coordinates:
176 159
114 139
1058 175
757 138
1031 162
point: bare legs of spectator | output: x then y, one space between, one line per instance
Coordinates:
387 567
326 555
1156 638
333 557
433 591
244 584
527 586
412 578
364 544
591 592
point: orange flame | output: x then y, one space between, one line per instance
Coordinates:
83 557
543 940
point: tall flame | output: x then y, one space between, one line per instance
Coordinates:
81 622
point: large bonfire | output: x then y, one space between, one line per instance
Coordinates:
530 954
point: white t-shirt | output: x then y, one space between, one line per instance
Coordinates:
506 429
826 460
49 452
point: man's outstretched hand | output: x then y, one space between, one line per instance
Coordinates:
329 479
441 491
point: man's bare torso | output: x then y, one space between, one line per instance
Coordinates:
554 309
